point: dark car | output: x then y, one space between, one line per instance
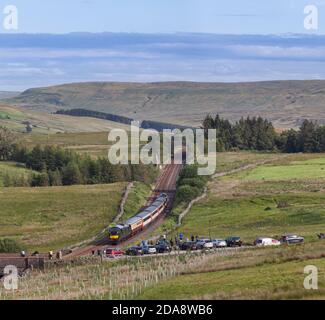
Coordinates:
134 251
189 245
234 242
149 250
163 246
292 239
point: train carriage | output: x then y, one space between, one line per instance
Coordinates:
140 221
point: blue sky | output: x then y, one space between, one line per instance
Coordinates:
159 40
160 16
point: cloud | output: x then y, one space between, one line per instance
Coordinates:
40 61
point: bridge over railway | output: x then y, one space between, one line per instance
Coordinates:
21 263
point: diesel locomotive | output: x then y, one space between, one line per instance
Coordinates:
139 222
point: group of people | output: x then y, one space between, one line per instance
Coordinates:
59 254
180 238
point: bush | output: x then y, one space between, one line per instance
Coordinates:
9 246
186 193
193 182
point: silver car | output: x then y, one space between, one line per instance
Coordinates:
219 243
204 244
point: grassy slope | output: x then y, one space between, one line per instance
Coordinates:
263 274
177 102
136 200
236 204
50 218
225 161
44 123
253 274
93 143
12 169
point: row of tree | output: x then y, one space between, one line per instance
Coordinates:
259 134
55 166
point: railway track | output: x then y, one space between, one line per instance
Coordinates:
166 183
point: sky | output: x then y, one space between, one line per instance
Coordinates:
159 40
161 16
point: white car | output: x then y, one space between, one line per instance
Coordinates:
218 243
266 242
204 244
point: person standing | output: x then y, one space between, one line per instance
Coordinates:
51 255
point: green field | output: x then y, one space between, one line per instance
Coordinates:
265 274
248 205
308 169
55 217
14 170
43 123
250 217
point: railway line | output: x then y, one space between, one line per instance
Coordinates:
166 183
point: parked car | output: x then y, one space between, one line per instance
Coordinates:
149 250
265 242
204 244
112 253
234 242
219 243
188 245
134 251
292 239
163 246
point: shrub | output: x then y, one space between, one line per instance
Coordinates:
193 182
9 246
186 193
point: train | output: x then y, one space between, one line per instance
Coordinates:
139 222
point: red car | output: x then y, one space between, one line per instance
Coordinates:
112 253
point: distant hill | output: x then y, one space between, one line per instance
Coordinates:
17 119
8 94
286 103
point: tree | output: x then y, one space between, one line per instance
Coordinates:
35 159
7 141
71 174
40 180
307 136
290 141
55 178
186 193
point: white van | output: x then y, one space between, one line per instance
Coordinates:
264 242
